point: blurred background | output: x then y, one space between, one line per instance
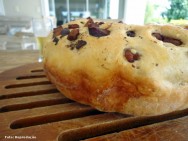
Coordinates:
16 29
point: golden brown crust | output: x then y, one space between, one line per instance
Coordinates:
129 70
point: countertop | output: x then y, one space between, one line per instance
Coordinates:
14 58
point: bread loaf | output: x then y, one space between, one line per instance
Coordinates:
115 67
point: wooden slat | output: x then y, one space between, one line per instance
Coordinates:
28 91
14 104
7 84
53 130
173 130
21 71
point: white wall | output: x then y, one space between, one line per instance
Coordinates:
114 4
134 11
29 8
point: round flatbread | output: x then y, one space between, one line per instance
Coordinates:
115 67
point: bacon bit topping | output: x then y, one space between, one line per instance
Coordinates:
55 40
65 32
72 46
131 55
186 27
131 33
90 21
163 38
94 30
157 36
73 35
73 26
99 23
80 44
57 31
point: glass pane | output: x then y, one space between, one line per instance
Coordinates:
67 10
61 11
77 9
99 8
